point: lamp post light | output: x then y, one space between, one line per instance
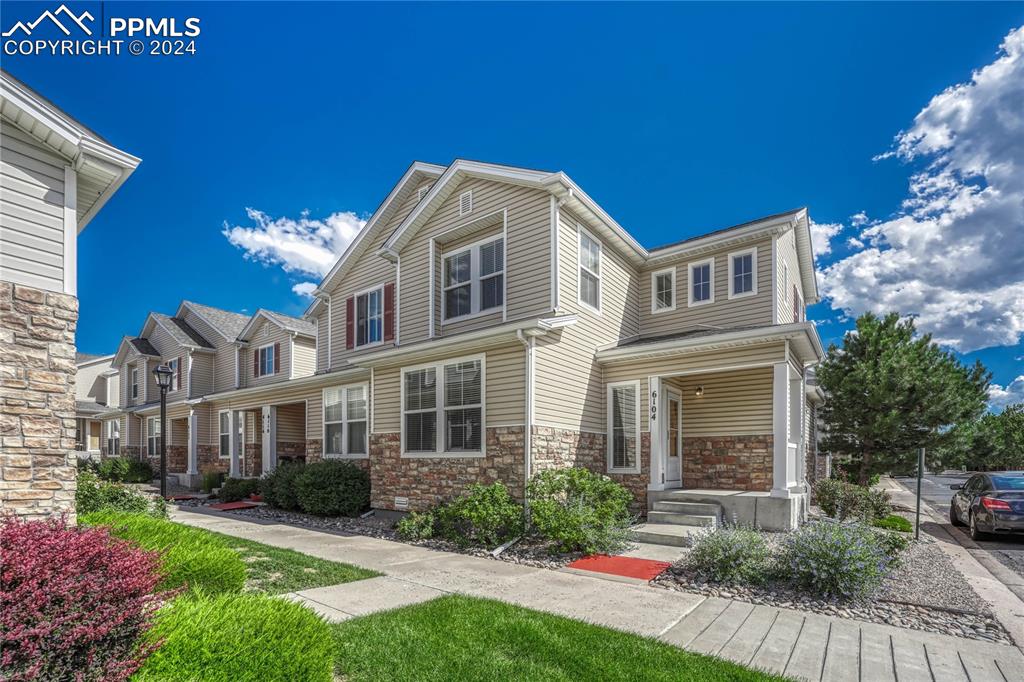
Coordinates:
163 376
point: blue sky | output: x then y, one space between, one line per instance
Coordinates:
677 119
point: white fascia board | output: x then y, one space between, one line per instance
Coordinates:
95 361
805 254
251 324
728 237
779 332
311 381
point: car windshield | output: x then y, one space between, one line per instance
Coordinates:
1008 482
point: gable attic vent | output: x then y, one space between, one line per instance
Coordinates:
421 191
465 202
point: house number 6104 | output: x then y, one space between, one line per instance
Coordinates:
654 406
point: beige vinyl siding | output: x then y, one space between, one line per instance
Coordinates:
149 391
746 311
114 391
322 345
31 212
179 431
291 423
785 246
90 384
280 396
164 342
713 361
303 357
131 430
495 316
733 403
222 377
202 373
527 257
504 398
569 389
266 334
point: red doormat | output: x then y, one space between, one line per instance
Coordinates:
228 506
642 569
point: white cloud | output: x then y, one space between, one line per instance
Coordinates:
1013 392
305 289
821 237
304 245
954 253
858 219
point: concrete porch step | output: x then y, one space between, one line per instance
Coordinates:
699 520
663 534
698 508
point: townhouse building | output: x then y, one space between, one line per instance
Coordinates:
489 322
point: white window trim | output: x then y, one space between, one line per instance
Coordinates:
690 303
113 439
475 280
461 199
439 407
151 426
609 437
260 361
174 387
133 383
580 231
654 290
752 251
227 433
379 288
344 421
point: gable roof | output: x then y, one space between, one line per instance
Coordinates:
179 330
90 358
100 167
286 322
226 323
144 347
415 173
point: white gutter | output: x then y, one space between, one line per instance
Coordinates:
528 341
312 380
770 333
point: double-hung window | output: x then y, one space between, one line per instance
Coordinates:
474 279
266 360
113 437
346 421
702 282
624 427
663 290
743 273
225 434
442 408
153 435
369 314
135 382
590 271
173 366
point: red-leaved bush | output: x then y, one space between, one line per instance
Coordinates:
73 602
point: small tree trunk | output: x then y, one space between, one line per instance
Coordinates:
865 469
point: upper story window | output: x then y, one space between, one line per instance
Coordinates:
175 374
369 317
702 282
442 408
663 290
346 416
267 361
474 279
624 427
743 273
135 382
590 271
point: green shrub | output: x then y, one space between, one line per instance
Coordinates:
892 544
893 522
94 495
333 488
113 468
211 480
843 500
238 638
138 472
416 526
278 487
731 554
850 474
579 510
485 516
190 557
834 560
234 489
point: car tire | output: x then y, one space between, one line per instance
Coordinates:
953 517
975 533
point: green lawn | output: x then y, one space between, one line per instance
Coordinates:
462 638
273 570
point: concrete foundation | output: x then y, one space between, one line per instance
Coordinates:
746 507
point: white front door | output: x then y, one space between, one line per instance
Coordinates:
674 447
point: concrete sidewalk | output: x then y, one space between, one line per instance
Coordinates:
794 643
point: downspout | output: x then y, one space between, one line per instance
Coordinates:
529 344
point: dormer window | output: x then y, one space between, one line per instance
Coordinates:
743 273
663 290
702 282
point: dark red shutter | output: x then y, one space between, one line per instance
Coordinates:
277 358
255 362
350 323
389 312
179 373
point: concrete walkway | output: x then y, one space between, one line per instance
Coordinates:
794 643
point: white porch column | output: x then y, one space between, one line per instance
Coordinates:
269 438
780 430
193 442
233 444
656 424
798 431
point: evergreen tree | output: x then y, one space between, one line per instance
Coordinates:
890 392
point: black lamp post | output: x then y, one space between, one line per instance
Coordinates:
163 376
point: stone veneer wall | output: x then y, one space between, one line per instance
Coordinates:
177 459
291 450
429 481
252 459
37 413
314 450
728 462
208 458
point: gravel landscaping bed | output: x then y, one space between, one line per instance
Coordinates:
925 593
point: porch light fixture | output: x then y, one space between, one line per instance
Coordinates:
163 375
700 391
